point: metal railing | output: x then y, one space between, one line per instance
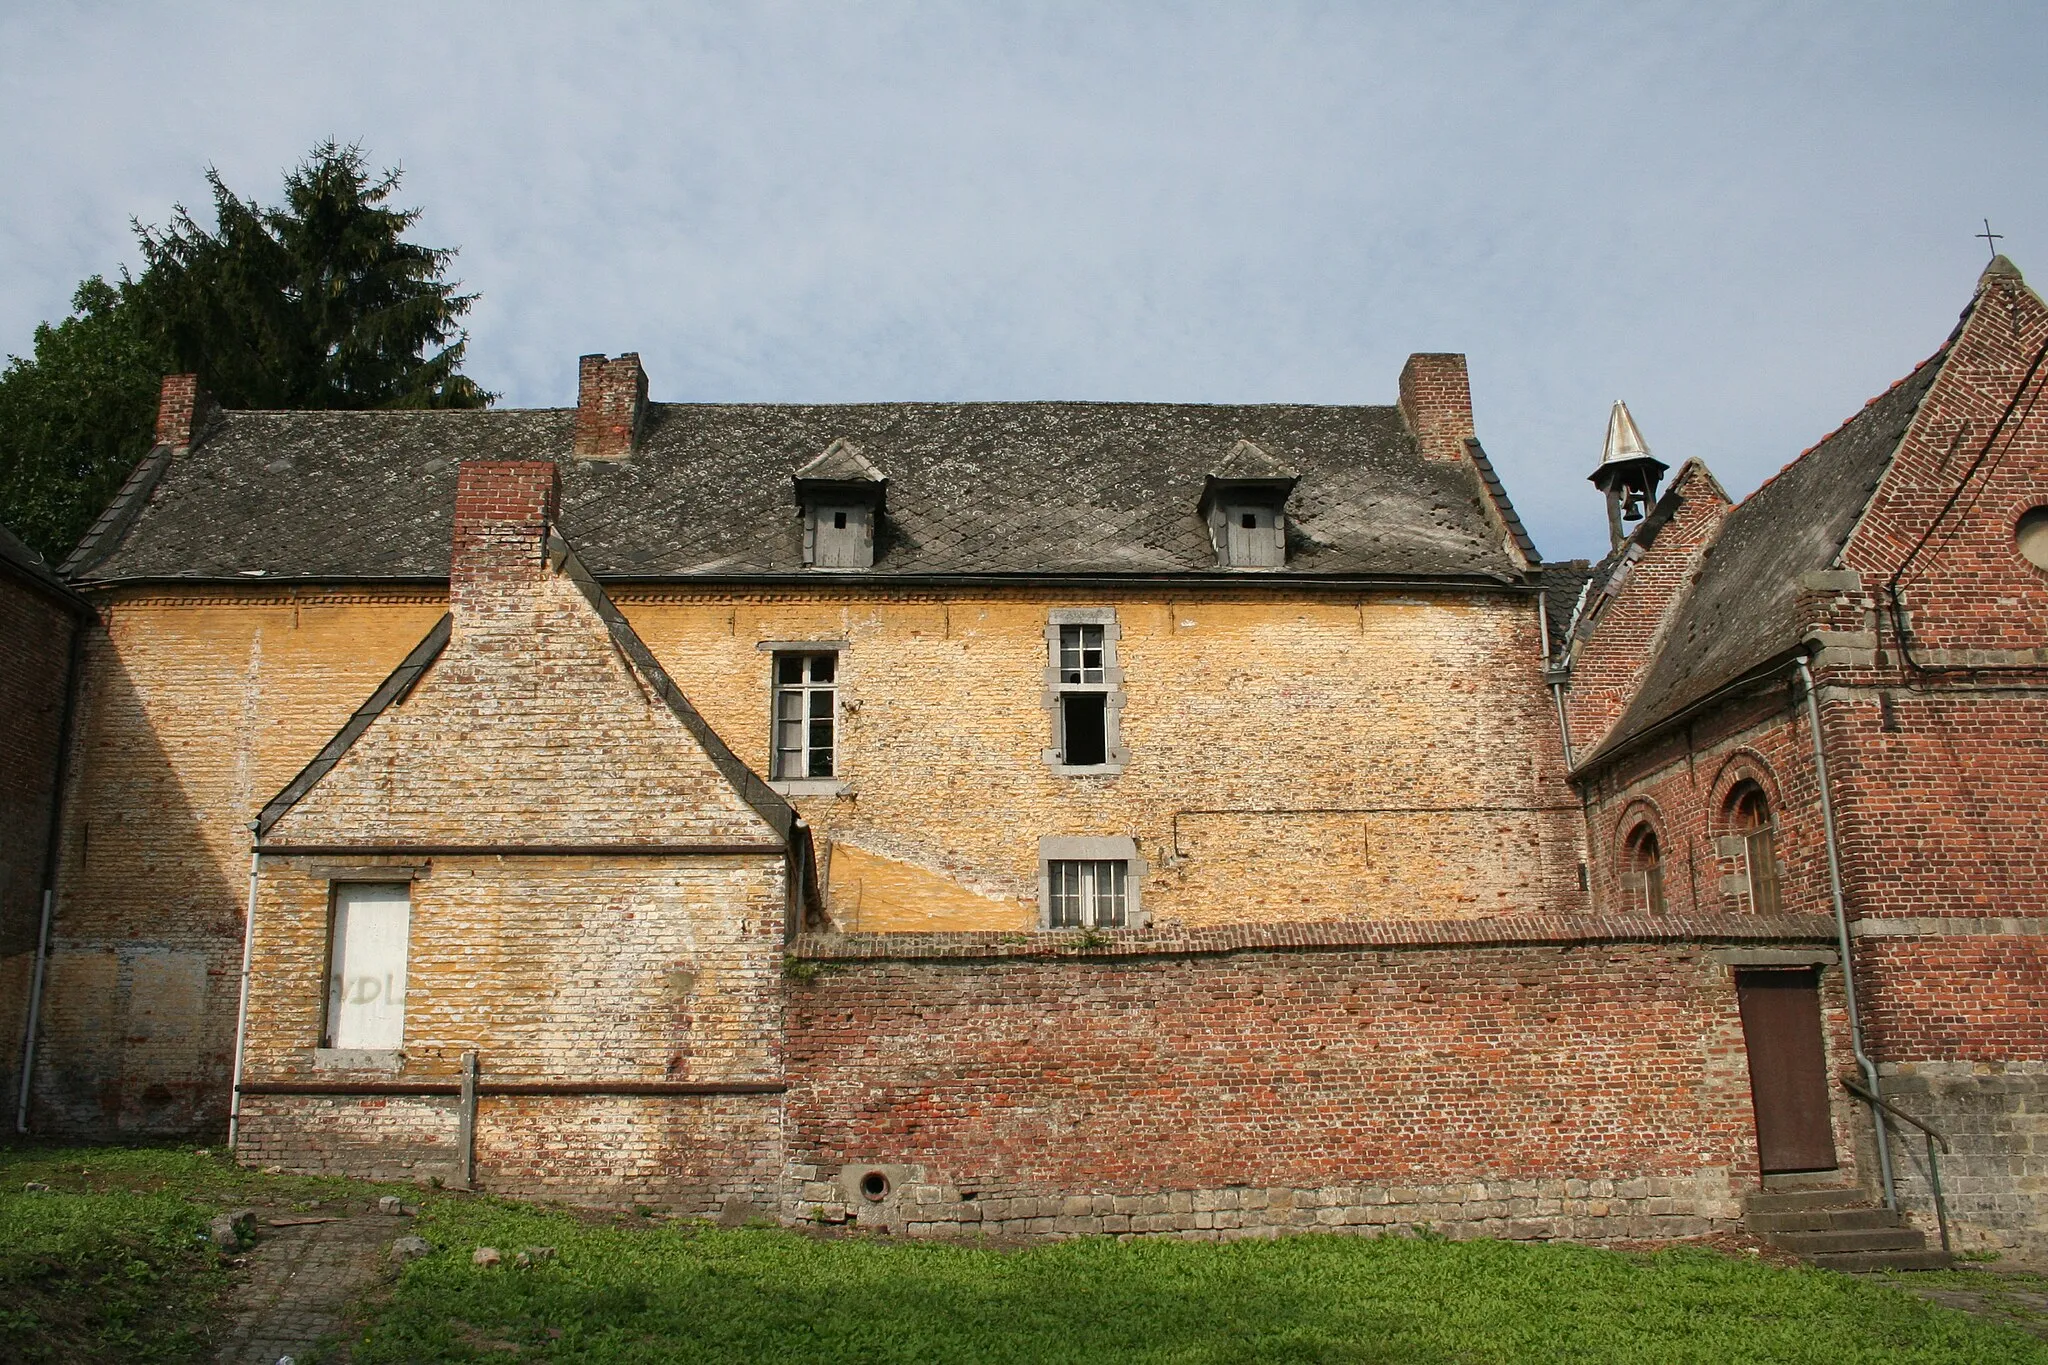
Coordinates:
1934 1137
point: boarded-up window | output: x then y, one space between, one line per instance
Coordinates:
842 536
1254 538
366 977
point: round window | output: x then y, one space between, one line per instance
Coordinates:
2032 535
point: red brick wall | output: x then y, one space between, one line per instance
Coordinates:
33 668
1681 784
1608 666
1436 400
1377 1072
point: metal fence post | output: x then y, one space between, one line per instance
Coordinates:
465 1130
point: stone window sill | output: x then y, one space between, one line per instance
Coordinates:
356 1059
1083 770
811 786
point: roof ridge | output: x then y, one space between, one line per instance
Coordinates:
1856 416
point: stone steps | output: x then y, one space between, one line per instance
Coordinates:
1838 1228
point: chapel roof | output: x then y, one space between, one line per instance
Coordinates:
1742 609
1094 489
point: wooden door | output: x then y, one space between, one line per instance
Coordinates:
1788 1070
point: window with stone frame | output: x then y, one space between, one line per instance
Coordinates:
1088 893
806 715
1753 840
1642 876
1084 691
1090 882
366 959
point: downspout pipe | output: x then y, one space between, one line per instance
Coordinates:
1827 817
242 1007
52 850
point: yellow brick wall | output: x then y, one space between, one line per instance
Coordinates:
569 968
1406 738
200 705
195 708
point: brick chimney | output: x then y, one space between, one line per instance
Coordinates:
611 401
502 512
180 408
1436 400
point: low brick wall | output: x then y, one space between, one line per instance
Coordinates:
1505 1079
707 1154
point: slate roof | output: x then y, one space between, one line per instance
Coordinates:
974 489
1742 609
23 563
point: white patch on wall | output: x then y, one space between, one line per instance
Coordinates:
366 982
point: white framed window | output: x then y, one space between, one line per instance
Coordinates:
1084 691
366 955
1088 893
806 715
1090 883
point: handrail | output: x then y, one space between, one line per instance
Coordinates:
1933 1136
1855 1088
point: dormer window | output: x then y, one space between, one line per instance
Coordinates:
1245 503
840 497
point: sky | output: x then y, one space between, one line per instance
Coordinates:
1746 220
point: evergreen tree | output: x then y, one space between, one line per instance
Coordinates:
74 418
316 303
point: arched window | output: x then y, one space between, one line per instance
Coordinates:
1756 839
1643 870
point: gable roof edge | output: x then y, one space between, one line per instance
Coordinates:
393 690
763 799
1502 507
114 521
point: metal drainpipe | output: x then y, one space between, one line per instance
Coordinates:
242 1009
52 849
1827 816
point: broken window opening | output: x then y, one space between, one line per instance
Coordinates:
806 712
1749 815
1081 654
1088 893
1644 876
1084 729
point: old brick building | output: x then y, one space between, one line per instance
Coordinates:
39 623
1038 817
1892 585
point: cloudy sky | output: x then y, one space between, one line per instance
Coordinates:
1744 219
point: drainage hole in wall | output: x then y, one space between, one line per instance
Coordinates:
874 1187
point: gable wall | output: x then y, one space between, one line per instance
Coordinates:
1609 664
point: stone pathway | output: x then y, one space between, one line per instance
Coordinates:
299 1281
2016 1297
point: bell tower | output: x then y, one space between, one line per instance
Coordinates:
1628 475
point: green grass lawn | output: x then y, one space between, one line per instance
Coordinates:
110 1264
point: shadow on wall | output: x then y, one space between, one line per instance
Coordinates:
137 1024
